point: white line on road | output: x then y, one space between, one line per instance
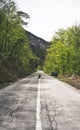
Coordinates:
38 110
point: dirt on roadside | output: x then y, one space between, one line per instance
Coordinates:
72 80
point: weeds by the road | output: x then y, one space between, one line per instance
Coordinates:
72 80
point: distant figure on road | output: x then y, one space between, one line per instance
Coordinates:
39 76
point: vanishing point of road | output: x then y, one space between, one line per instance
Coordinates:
39 104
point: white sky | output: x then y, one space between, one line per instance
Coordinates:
47 16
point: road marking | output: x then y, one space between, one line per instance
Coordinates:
38 110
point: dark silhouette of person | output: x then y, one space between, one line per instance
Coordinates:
39 76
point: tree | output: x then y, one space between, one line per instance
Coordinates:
14 45
64 52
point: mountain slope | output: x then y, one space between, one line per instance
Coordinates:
38 45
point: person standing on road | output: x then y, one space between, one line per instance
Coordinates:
39 76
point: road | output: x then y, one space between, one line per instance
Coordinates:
39 104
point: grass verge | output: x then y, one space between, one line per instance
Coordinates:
72 80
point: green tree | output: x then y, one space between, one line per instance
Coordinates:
15 51
64 52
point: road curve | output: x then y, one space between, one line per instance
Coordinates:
37 103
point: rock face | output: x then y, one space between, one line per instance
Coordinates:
38 45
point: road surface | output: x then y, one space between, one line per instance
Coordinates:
39 104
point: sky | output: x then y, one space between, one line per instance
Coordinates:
48 16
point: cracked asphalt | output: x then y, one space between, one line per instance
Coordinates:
60 104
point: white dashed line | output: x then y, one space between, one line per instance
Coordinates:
38 110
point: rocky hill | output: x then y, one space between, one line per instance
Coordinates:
38 45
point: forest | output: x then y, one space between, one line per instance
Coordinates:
63 55
16 57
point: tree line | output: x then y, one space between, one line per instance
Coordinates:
63 55
16 57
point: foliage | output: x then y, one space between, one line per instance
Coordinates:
15 51
64 52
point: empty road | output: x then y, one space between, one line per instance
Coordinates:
39 104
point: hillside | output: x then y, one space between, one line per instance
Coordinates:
21 52
38 45
12 69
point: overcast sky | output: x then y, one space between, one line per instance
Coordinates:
47 16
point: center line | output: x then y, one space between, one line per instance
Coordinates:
38 110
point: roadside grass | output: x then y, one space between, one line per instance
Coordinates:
6 77
72 80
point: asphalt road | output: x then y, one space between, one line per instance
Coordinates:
39 104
